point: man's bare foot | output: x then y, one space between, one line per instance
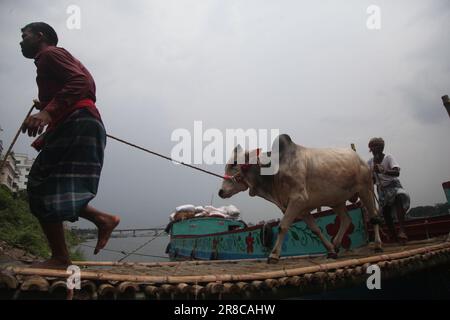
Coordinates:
52 263
105 228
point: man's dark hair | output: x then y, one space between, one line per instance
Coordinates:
49 33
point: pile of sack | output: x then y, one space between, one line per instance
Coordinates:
188 211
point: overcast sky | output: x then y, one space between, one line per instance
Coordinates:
311 69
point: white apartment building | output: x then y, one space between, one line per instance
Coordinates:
23 165
9 174
14 174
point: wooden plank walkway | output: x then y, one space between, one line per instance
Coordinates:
292 276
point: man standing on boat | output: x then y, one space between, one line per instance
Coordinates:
392 196
66 173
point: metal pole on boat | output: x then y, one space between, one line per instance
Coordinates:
446 102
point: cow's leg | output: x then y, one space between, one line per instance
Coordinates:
291 213
311 223
345 222
368 199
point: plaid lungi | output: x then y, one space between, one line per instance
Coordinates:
65 175
387 194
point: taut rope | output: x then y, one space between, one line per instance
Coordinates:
166 157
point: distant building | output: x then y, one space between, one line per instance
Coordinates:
14 174
9 174
23 165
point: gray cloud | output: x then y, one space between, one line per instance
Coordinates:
312 70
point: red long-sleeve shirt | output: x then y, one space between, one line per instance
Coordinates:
64 84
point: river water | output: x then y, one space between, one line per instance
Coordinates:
154 250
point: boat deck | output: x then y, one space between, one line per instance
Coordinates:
224 279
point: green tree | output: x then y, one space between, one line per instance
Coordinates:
18 227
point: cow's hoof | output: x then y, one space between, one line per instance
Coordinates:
332 255
272 260
336 249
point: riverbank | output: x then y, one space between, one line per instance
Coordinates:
143 249
14 255
20 230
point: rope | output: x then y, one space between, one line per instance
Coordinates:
165 157
125 253
140 247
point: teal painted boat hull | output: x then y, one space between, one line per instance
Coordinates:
210 238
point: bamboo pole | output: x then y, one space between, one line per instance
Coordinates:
183 288
446 102
167 289
127 290
189 262
257 285
294 281
214 287
5 159
89 290
214 262
58 286
10 281
35 283
107 291
152 292
243 286
231 288
283 281
271 283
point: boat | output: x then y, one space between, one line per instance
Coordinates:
214 238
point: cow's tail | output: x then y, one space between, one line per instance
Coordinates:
375 197
375 219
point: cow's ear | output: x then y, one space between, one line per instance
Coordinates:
237 149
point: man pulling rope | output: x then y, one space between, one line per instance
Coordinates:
65 175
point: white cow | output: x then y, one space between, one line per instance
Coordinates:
307 179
